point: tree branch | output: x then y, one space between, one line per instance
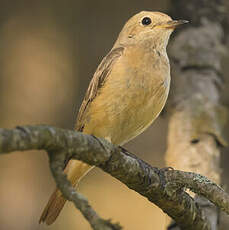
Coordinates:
80 202
165 188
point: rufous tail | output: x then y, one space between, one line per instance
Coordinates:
75 170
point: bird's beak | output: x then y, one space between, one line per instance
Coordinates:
172 24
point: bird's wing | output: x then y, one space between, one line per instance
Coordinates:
96 83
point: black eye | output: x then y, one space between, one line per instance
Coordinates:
146 21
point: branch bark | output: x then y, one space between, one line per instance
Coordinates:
163 187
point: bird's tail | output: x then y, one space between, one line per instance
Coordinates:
75 170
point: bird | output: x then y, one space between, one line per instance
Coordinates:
126 94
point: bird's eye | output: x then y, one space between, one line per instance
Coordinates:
146 21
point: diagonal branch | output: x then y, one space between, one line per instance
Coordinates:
200 185
165 188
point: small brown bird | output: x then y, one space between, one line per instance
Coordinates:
127 92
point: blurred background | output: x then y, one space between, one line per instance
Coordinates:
48 54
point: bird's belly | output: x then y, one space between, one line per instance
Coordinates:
139 117
119 117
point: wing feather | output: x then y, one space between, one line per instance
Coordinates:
96 83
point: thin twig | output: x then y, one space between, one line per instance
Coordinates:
80 202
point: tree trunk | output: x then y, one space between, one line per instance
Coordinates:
197 117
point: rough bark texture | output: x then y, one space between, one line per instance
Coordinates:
197 116
162 187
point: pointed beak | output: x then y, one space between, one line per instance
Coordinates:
175 23
172 24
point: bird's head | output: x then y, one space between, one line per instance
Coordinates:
148 28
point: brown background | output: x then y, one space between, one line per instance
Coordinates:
48 53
